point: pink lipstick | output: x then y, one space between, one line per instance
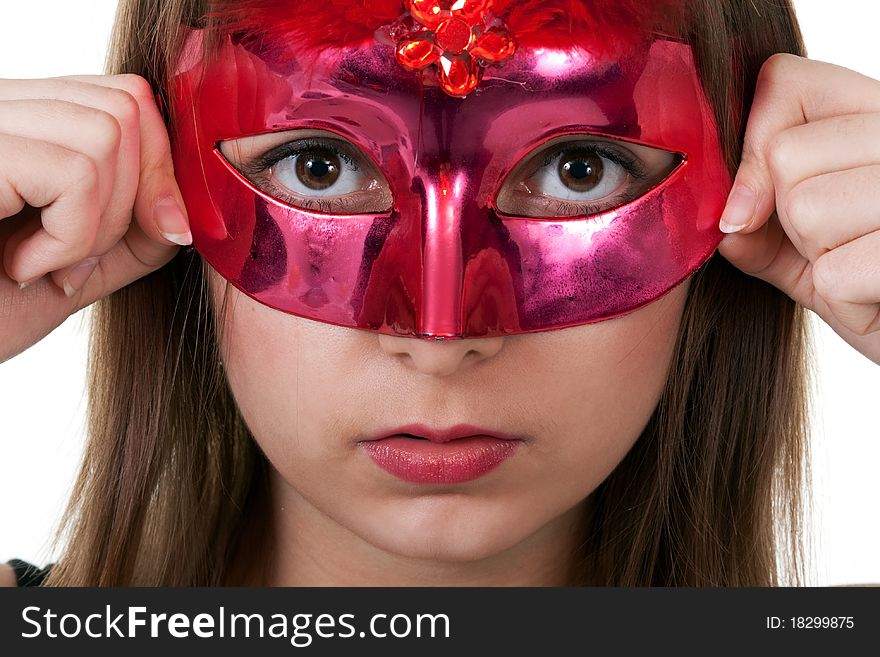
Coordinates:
420 454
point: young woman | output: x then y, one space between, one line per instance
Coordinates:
242 436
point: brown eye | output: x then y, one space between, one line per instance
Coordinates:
311 170
581 171
582 176
318 169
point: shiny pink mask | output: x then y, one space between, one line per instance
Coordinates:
449 257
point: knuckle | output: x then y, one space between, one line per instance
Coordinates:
778 68
136 85
780 154
81 241
108 133
800 205
10 201
124 106
826 276
82 171
99 126
801 209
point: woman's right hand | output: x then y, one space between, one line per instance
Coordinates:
87 196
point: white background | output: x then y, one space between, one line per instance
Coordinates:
42 395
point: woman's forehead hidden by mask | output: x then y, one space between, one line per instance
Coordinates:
461 216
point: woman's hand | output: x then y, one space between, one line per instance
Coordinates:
87 196
812 153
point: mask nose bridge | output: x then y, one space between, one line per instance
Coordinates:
442 257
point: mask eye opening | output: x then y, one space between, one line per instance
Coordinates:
532 188
270 164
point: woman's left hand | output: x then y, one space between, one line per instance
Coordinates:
812 153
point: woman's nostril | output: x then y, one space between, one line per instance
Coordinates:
440 358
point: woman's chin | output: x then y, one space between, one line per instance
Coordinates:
448 529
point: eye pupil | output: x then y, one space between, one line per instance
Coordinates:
318 170
581 172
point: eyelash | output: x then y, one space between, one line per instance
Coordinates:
291 149
628 161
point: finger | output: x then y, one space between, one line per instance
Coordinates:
100 136
100 113
768 254
64 184
848 280
834 144
809 151
790 91
121 106
158 206
97 134
827 211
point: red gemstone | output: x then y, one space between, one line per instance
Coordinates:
453 35
449 27
431 12
428 12
417 54
457 76
471 10
495 46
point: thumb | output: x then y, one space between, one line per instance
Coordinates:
775 108
752 197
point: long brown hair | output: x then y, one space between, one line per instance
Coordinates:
712 493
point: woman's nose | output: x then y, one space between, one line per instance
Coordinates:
440 357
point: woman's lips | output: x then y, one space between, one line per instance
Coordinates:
442 456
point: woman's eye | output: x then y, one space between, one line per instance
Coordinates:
579 174
583 177
317 171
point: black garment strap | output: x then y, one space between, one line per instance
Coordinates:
27 574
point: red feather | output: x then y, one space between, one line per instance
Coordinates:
601 24
312 24
316 25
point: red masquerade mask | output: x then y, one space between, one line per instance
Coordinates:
451 184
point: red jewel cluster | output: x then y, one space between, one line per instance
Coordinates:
461 36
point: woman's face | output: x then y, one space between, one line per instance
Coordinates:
310 391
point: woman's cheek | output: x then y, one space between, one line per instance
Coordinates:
283 381
596 391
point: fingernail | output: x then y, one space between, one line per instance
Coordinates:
739 210
78 276
171 221
184 239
